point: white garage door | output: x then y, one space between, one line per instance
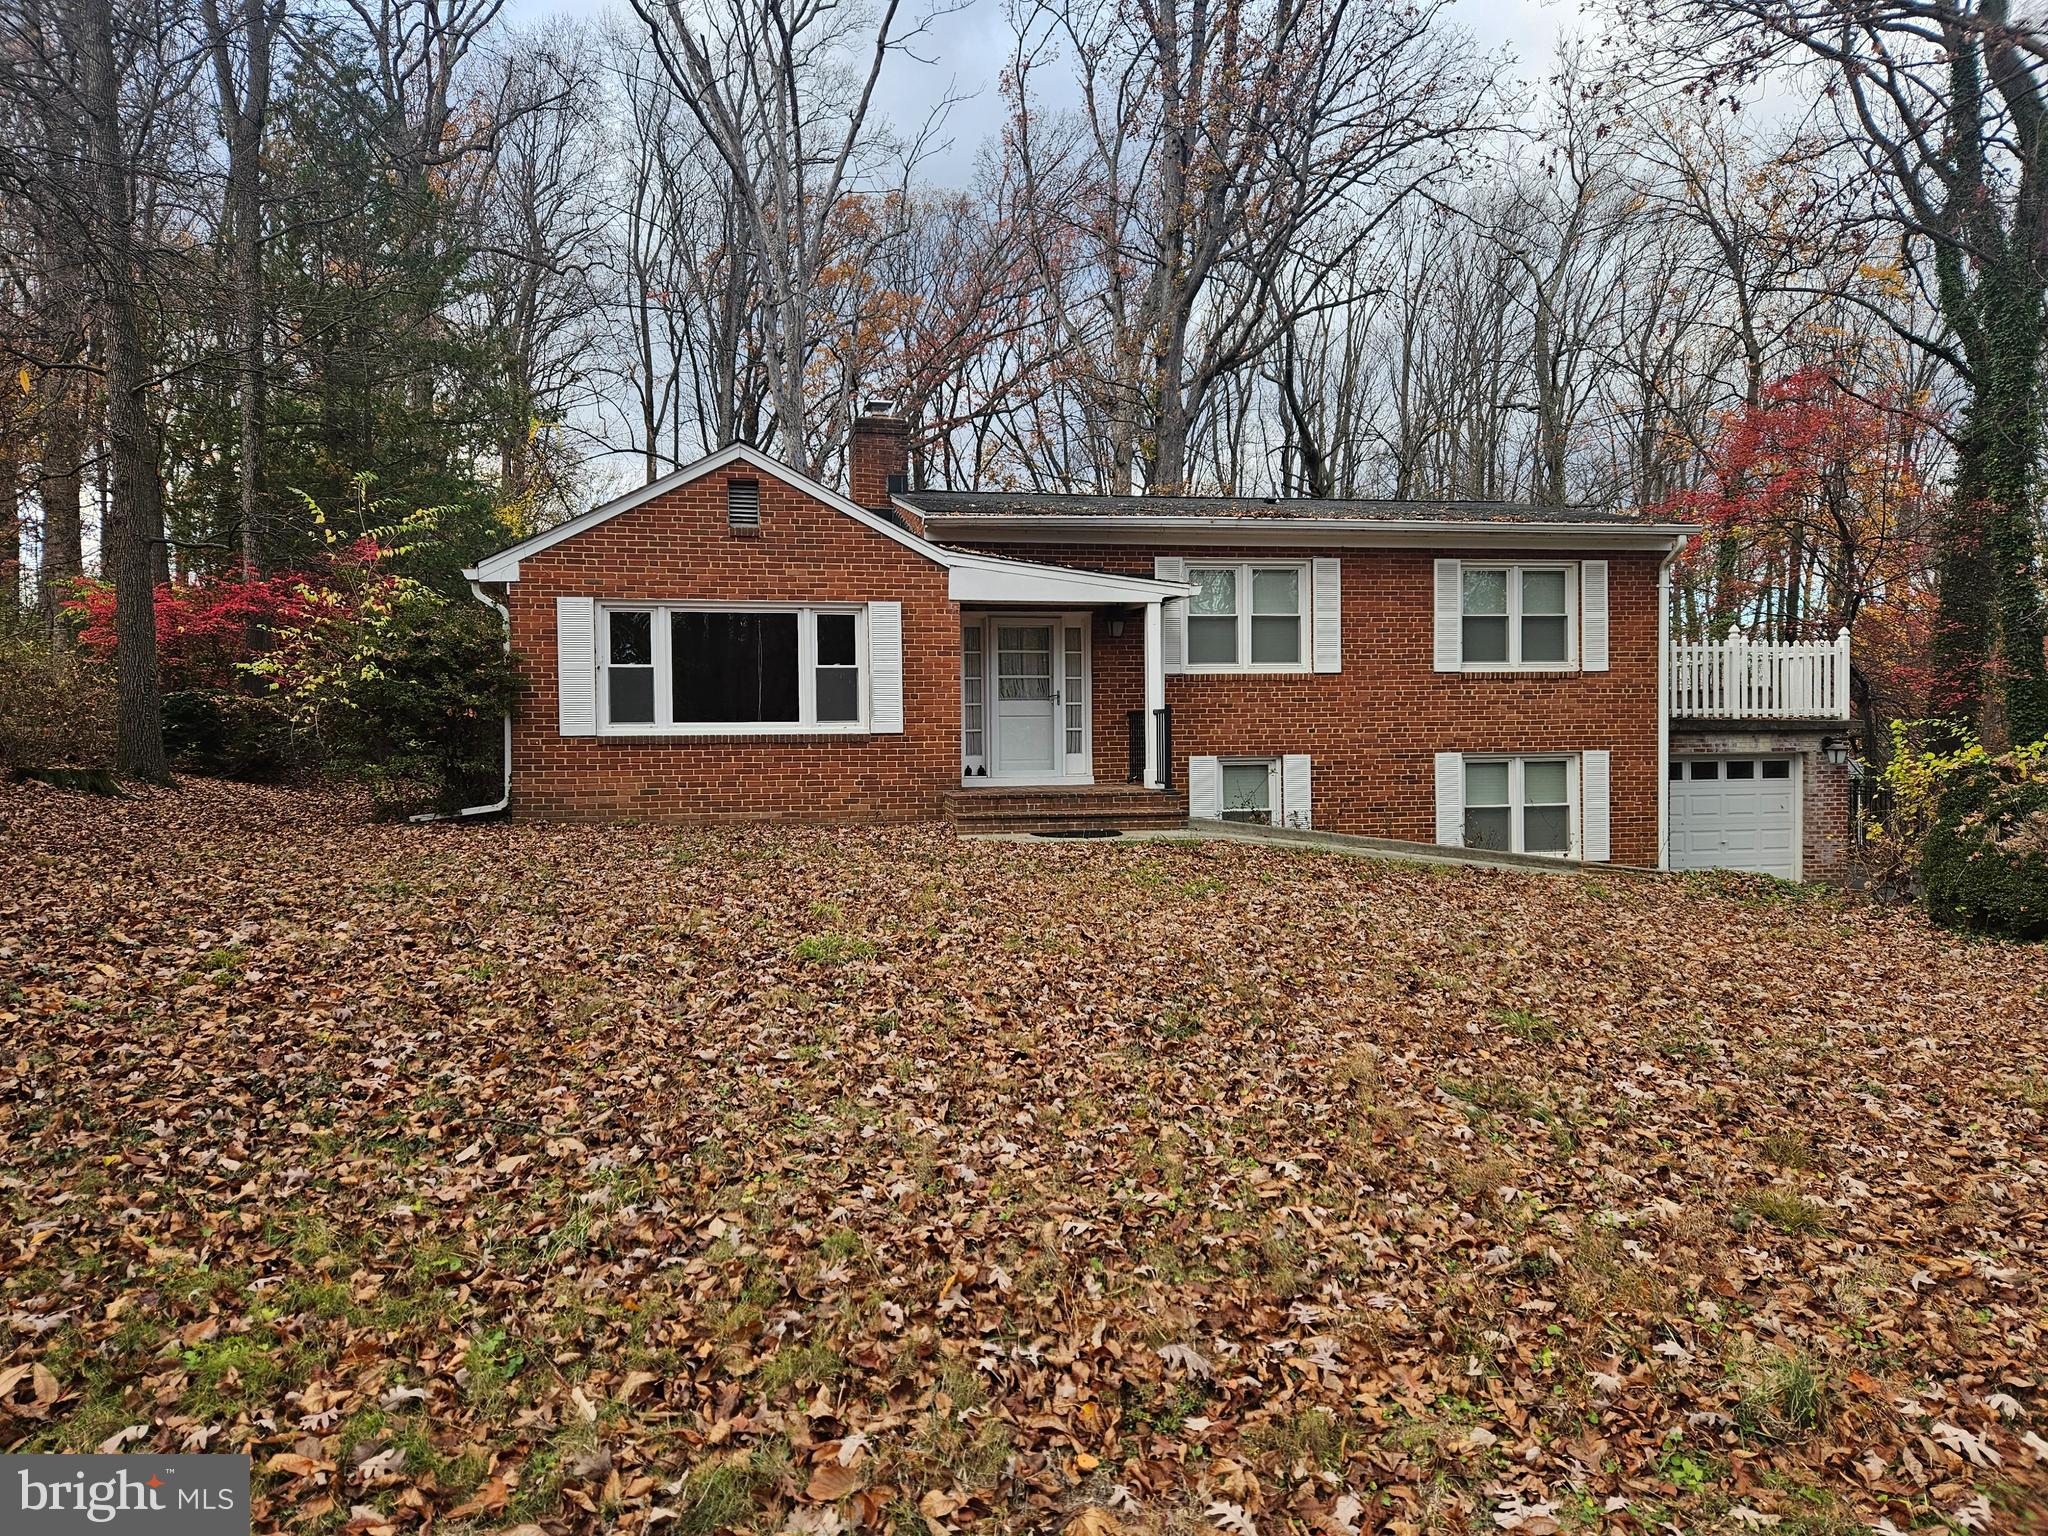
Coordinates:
1735 813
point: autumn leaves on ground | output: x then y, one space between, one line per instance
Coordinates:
639 1179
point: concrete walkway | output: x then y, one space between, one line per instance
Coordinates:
1387 849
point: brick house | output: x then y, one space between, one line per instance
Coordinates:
736 642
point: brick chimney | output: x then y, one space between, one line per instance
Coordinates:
878 456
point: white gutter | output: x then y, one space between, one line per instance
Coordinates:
504 799
1120 528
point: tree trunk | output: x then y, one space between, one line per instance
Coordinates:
243 112
132 531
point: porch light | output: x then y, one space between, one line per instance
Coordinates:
1116 626
1835 749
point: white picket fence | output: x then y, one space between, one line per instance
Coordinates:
1741 679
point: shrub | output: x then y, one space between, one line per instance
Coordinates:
56 711
1984 864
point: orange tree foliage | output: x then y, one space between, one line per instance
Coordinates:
1819 516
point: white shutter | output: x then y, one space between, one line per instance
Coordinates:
1294 804
1593 616
1450 592
576 665
1327 588
1173 615
1205 789
885 668
1595 776
1450 797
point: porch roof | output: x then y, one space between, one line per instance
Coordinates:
972 578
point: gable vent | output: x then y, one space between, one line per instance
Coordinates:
743 503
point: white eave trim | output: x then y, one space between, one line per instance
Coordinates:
504 565
1441 533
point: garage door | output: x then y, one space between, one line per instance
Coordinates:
1735 813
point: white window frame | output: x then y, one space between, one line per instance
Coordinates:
1275 812
665 723
1515 568
1304 617
1517 802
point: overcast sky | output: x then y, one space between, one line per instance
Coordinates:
968 47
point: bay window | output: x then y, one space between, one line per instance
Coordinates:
670 669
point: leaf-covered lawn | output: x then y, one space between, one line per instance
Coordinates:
611 1178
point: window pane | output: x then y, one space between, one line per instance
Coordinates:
1546 829
1023 661
1543 781
1215 591
1486 591
1247 792
632 639
1488 829
838 693
1543 639
1543 592
734 667
1676 771
1778 770
1706 770
632 695
1486 783
1486 640
1742 770
1212 642
835 640
1276 591
1276 640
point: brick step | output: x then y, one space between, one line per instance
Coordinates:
1082 808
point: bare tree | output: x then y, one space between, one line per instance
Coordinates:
241 53
784 92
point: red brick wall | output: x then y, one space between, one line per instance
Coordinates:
677 547
1373 729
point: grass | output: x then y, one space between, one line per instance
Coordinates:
1781 1208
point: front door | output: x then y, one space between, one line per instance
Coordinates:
1027 737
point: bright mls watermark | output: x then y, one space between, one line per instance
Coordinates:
164 1495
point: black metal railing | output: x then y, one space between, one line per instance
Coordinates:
1135 725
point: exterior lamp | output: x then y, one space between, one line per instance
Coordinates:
1835 749
1116 626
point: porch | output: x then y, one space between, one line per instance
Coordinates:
1032 639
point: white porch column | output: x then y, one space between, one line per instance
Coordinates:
1155 693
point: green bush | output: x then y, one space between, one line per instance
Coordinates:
1984 863
421 721
231 735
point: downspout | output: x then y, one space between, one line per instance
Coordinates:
504 799
1663 709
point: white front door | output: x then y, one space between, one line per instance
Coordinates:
1027 736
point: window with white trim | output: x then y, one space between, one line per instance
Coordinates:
1249 791
1517 616
1250 617
676 669
1521 804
